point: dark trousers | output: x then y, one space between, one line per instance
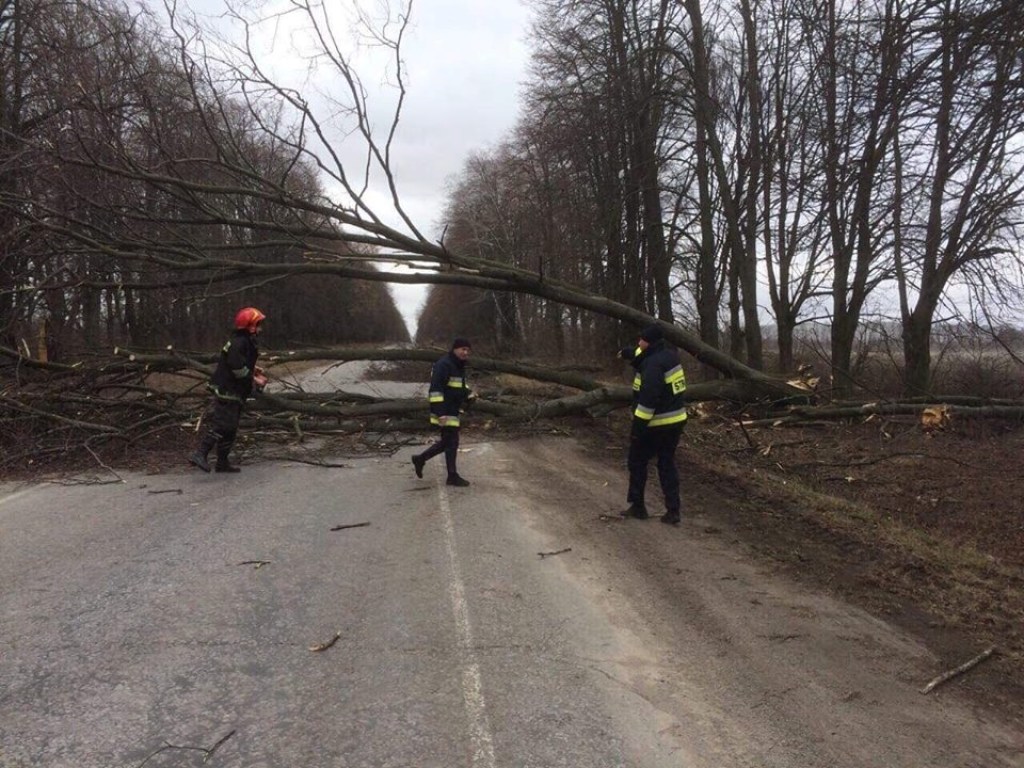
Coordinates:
660 443
223 417
448 444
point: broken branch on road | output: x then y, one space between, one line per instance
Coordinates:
324 646
350 525
207 751
258 563
957 671
556 552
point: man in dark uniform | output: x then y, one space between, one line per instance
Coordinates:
449 390
659 414
231 384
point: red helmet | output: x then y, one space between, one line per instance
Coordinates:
248 318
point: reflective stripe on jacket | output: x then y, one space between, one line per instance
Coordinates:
660 401
448 389
232 378
632 354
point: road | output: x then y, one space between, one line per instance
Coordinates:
136 630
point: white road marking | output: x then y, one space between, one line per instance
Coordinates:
472 689
13 496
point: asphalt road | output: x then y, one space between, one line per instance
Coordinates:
136 630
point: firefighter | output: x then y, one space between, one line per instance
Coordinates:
232 383
659 414
449 391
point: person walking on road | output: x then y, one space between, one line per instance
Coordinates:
449 391
232 383
659 414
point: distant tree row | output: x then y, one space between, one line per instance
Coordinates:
98 111
715 164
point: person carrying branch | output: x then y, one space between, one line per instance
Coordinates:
233 381
449 391
659 414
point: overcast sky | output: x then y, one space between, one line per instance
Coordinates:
465 61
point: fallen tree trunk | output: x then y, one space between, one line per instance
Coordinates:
739 391
113 401
801 414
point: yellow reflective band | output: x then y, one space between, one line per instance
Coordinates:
672 417
436 397
644 413
676 379
456 383
453 421
240 373
220 394
636 383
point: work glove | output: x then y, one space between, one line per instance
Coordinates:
638 429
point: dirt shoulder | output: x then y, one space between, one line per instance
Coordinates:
924 531
749 658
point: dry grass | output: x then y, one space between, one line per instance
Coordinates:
955 578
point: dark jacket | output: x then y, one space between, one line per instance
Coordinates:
660 401
632 356
448 389
232 379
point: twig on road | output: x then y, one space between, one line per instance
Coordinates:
350 525
556 552
966 666
312 462
325 646
258 563
207 751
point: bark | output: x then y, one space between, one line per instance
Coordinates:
704 110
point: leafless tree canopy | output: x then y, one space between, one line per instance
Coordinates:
804 162
709 165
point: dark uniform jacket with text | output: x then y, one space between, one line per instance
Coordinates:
448 389
232 379
659 400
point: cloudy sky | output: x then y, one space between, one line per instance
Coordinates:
464 62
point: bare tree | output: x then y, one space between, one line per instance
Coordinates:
741 249
208 205
960 162
792 219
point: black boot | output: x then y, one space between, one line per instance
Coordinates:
223 465
198 458
671 518
417 465
638 511
458 481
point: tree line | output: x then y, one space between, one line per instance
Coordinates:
98 247
724 165
703 164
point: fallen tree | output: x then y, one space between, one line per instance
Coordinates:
123 400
